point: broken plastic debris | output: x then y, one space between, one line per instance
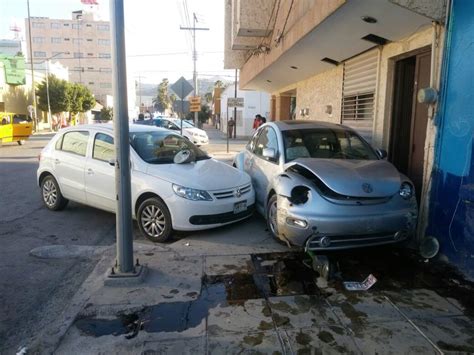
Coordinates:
360 286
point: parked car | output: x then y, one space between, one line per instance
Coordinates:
322 187
14 128
168 192
197 136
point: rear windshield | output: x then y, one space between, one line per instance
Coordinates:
160 147
326 143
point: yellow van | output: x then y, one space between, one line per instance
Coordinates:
14 127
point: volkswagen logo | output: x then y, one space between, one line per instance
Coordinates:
237 193
367 188
325 242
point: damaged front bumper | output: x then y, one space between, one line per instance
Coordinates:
320 225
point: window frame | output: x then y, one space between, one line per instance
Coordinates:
71 152
277 158
93 146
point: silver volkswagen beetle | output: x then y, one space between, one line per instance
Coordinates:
322 187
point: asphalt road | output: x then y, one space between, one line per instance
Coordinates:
34 291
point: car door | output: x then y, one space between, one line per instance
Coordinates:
100 173
264 169
69 163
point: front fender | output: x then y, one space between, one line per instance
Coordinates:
239 161
285 182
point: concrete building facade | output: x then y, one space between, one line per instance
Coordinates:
361 63
81 43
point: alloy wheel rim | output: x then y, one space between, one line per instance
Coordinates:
50 193
153 221
272 217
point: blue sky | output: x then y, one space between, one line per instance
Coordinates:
156 47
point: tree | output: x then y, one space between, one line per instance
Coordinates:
208 97
58 95
162 100
219 84
203 115
173 99
106 113
80 98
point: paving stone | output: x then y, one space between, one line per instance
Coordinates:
228 265
301 311
251 315
244 343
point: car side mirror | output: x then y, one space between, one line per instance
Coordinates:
382 153
269 153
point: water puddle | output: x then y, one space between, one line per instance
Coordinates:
284 274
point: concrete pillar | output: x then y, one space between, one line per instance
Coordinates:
282 108
272 108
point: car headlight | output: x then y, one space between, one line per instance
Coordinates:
191 194
195 134
406 190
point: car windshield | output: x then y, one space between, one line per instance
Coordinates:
160 147
185 124
326 143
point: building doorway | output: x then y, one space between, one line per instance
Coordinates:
409 117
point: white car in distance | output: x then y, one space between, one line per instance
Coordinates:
175 185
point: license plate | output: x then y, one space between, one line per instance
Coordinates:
240 207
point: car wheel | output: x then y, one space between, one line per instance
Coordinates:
21 142
272 214
52 197
154 220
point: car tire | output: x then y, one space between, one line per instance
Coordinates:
51 193
271 217
154 220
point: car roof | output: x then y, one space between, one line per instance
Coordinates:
110 127
306 124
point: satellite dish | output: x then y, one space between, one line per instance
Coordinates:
429 247
183 157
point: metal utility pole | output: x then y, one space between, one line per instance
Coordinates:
121 138
234 127
35 118
194 29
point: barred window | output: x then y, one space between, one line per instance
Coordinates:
358 107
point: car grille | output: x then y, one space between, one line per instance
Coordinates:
221 217
322 242
230 193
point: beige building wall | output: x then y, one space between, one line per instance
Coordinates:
87 43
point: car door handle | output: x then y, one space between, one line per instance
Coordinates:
90 171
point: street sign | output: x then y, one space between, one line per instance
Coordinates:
235 102
182 88
195 104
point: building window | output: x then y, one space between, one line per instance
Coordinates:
57 54
105 70
91 83
104 55
88 25
77 26
38 24
104 42
39 54
103 27
78 69
66 25
89 40
105 85
55 39
90 68
55 25
358 107
66 39
78 55
77 40
90 54
38 39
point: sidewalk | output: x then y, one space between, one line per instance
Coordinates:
256 297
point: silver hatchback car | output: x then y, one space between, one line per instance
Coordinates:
322 187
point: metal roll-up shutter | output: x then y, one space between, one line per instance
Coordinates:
359 86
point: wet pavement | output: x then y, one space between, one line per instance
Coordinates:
273 303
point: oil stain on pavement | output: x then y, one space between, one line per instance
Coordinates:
409 291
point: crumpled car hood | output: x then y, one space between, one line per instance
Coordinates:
208 174
357 178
